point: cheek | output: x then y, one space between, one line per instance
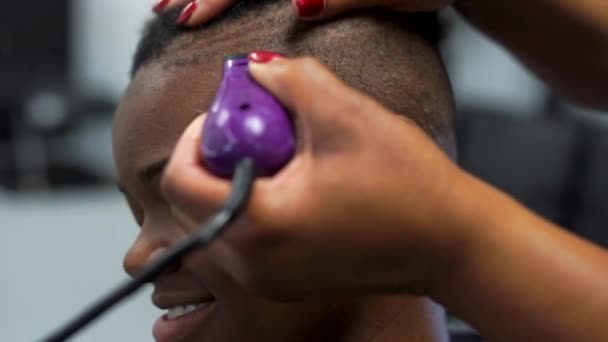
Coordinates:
211 276
287 322
250 319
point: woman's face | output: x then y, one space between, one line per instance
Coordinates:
157 107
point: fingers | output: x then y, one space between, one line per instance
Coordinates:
320 9
162 5
186 185
195 12
416 5
309 90
200 11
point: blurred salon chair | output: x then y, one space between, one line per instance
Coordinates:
40 110
556 166
553 164
530 158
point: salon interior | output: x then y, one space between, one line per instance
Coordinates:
63 67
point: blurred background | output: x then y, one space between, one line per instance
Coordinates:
64 227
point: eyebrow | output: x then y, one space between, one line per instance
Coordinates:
148 173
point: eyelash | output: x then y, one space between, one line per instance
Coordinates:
138 213
137 210
139 218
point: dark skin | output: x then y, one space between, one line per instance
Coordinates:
568 51
380 53
156 108
168 93
504 266
438 231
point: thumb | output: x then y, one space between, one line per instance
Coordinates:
186 186
323 105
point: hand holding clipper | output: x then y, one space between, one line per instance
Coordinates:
245 121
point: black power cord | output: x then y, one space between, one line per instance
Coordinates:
243 180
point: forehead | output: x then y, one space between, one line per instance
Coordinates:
157 106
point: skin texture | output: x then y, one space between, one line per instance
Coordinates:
392 52
431 229
208 9
168 93
467 245
569 51
523 278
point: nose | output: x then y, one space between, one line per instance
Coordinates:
141 253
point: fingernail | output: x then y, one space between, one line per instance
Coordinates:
264 56
187 13
160 5
309 8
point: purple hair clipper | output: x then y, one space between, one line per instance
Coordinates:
245 121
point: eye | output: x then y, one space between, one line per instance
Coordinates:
136 210
155 188
139 216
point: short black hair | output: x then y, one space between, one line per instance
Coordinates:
160 31
406 73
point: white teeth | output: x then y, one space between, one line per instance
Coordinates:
182 310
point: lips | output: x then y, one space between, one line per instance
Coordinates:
184 314
183 310
171 300
175 329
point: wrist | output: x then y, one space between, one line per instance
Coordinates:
513 263
477 210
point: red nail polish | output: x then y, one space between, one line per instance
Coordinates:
309 8
187 13
264 56
160 5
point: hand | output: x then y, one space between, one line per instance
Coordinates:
369 203
195 12
198 12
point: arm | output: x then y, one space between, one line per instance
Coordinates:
564 41
523 279
370 205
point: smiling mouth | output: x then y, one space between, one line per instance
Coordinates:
182 320
184 310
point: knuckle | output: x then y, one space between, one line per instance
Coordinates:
178 3
303 66
349 105
309 65
217 5
309 62
282 74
